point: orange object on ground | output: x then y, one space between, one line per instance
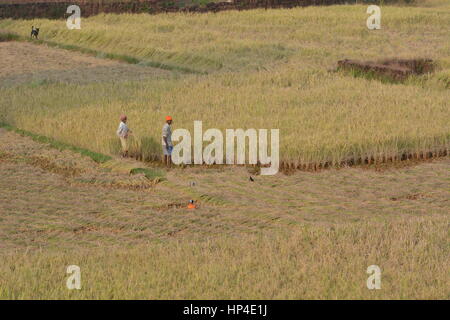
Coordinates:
191 204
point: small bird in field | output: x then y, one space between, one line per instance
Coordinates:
251 179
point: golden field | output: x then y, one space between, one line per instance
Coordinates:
302 236
263 69
309 263
294 235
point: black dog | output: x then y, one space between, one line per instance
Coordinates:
34 32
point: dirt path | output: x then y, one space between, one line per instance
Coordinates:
48 197
22 62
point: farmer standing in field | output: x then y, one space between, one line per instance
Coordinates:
167 141
123 133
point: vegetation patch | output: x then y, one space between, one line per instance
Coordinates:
151 174
97 157
273 79
8 36
388 70
118 57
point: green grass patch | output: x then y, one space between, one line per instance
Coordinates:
150 174
97 157
370 75
8 36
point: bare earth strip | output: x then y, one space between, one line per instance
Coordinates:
26 62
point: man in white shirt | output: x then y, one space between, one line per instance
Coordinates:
123 133
167 141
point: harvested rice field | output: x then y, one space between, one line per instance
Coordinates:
349 217
27 63
364 159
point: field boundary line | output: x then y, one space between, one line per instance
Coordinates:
285 166
117 57
10 36
155 176
96 156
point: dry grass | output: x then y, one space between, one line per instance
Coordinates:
306 262
25 63
257 39
268 70
349 121
79 192
306 235
302 236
